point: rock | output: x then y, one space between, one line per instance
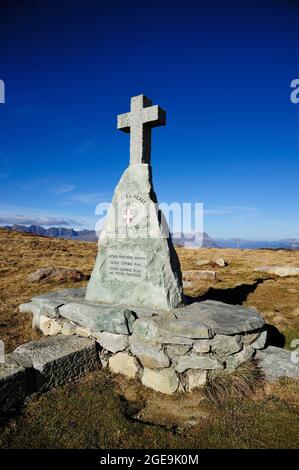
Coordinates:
99 318
175 340
112 342
64 275
277 362
197 362
249 338
185 326
57 274
40 274
220 262
140 267
235 360
12 384
146 329
59 359
123 363
221 318
196 275
84 332
224 345
49 326
50 308
68 328
260 342
174 350
202 262
152 357
281 271
195 379
164 381
34 310
202 346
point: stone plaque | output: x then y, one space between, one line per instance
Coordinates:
123 267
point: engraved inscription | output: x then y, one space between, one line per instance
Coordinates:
128 268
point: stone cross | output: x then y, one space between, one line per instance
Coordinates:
139 122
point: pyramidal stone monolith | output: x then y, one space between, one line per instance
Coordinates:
137 264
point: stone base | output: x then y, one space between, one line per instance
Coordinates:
167 351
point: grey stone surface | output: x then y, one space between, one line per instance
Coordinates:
222 318
12 383
99 317
197 362
152 357
235 360
138 122
224 345
174 350
136 263
111 341
202 346
164 381
277 362
123 363
186 326
194 379
261 341
281 271
60 359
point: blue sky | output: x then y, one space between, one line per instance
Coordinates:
222 70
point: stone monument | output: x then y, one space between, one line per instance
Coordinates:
136 263
133 307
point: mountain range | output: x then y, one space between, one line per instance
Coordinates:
186 240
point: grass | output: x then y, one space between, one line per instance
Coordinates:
102 411
93 413
242 383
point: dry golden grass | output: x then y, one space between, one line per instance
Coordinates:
21 254
101 411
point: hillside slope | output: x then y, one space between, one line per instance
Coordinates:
21 254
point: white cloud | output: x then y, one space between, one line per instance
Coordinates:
37 220
64 188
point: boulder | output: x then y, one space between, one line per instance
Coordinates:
12 384
281 271
123 363
152 357
235 360
98 317
164 381
224 345
59 359
56 274
112 342
277 362
81 331
197 362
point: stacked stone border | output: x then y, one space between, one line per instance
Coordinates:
168 352
173 352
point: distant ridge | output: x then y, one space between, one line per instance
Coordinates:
90 235
187 240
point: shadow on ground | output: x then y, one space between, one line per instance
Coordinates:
234 295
